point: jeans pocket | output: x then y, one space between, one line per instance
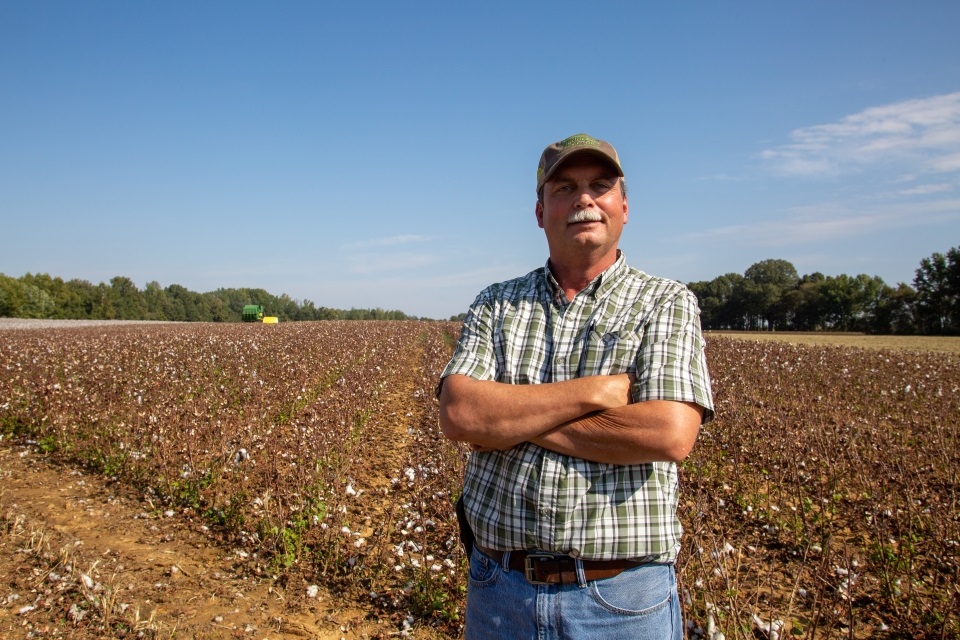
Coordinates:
639 591
484 570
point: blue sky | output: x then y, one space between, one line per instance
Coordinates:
384 154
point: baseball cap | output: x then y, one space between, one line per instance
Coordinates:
558 152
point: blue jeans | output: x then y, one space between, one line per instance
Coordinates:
640 603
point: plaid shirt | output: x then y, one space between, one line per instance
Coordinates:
524 331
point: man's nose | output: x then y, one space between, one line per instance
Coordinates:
584 201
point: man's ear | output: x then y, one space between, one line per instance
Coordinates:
626 211
539 212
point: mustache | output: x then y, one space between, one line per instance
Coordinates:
584 215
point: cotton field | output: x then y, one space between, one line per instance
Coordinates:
821 502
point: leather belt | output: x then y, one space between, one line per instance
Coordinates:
549 568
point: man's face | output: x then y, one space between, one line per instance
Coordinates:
583 210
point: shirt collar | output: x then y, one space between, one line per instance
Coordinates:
597 288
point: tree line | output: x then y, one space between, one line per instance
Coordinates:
770 295
43 296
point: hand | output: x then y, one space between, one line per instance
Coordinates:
617 390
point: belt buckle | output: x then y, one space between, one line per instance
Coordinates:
529 570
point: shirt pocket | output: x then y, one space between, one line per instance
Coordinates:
610 353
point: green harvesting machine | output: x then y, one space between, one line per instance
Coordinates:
252 313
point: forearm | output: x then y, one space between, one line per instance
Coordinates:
495 415
652 431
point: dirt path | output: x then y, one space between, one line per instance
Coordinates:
84 558
76 552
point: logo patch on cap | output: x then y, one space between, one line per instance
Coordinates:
580 140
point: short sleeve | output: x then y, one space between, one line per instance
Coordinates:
671 362
474 353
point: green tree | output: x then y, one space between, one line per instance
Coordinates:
285 308
807 303
42 296
85 299
11 297
177 300
217 309
126 299
37 303
717 302
936 284
765 286
836 294
326 313
894 312
847 302
307 311
155 299
867 299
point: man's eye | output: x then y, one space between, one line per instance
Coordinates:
602 186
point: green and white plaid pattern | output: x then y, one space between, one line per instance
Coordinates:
523 331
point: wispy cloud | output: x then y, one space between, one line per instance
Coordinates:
924 132
830 221
390 241
948 163
367 263
924 189
721 177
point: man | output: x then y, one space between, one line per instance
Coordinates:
579 387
